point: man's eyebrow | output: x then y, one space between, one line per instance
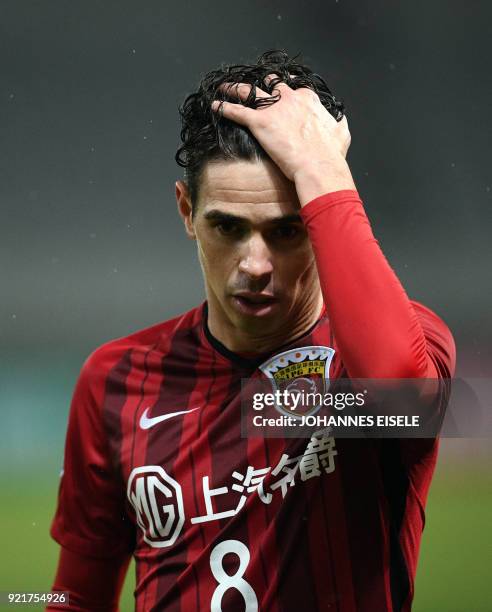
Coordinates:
293 218
218 215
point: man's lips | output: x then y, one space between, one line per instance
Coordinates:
256 304
256 298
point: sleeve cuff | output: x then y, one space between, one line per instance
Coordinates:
312 208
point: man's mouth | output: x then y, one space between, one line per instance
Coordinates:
256 304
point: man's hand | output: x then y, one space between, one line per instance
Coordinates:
298 134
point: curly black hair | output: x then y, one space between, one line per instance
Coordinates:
206 135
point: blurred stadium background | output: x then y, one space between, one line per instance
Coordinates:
92 248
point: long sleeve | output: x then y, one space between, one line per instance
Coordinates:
92 584
376 326
90 523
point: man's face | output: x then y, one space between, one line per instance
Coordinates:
257 261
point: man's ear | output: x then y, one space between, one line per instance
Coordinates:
184 208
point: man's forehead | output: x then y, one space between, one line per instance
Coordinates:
246 188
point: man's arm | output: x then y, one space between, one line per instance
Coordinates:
375 325
92 584
90 523
377 329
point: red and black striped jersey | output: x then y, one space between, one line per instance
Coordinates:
155 465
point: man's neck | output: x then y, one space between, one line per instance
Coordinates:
243 341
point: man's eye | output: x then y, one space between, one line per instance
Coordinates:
286 232
228 228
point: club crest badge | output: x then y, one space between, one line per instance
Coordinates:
302 372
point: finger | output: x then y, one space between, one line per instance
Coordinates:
235 112
271 77
241 90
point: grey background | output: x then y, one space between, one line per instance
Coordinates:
91 244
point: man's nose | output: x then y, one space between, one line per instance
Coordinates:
256 260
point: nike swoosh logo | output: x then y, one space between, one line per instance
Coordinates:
147 423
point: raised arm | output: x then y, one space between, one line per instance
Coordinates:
376 327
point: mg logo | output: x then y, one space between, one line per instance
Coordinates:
158 503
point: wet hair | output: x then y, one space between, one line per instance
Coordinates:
206 135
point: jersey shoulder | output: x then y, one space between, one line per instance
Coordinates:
440 342
156 337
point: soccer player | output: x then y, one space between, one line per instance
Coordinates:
155 465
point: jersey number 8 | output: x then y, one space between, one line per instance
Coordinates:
231 581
